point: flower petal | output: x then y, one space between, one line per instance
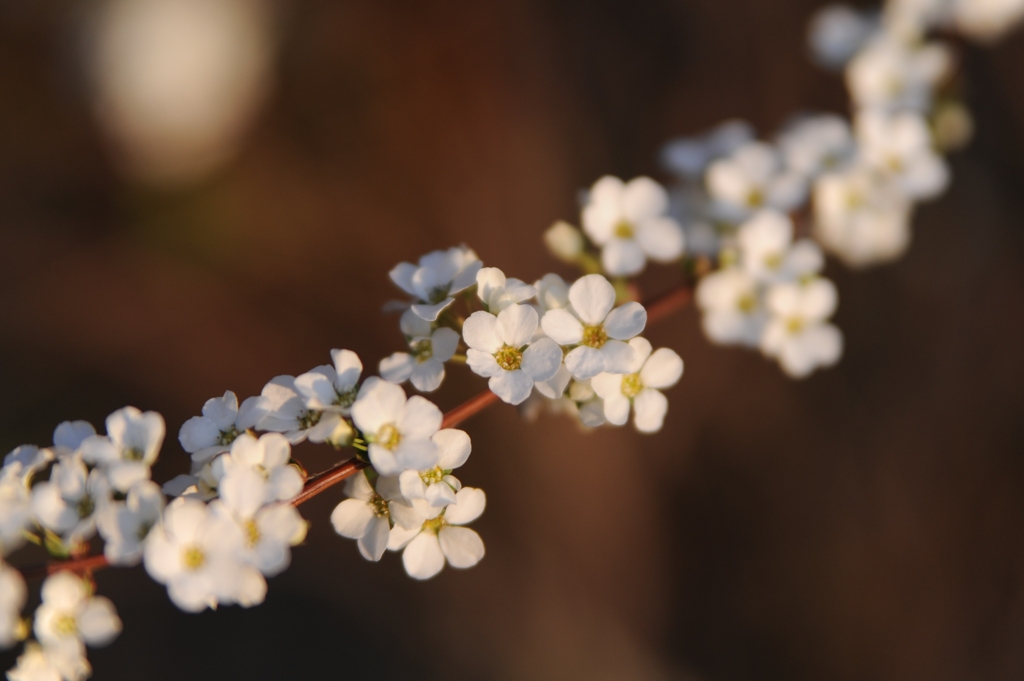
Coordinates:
562 327
542 359
397 367
516 325
469 504
377 403
481 332
662 370
626 321
592 297
513 387
423 557
351 518
650 407
585 362
461 546
454 447
619 357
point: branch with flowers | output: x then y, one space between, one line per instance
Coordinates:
746 223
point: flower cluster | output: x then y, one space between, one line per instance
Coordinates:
742 224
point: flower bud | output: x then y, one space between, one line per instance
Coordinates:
564 241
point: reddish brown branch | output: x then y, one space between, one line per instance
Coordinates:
657 309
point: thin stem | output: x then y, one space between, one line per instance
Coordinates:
657 309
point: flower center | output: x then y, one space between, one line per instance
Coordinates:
252 533
437 294
228 436
422 350
632 385
434 475
508 358
308 419
86 506
623 229
746 303
346 399
192 557
65 625
380 506
795 325
434 525
894 164
755 198
133 454
854 200
388 436
594 336
773 261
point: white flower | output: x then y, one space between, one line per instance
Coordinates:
198 555
69 435
767 251
816 144
628 222
892 75
595 328
501 350
283 409
837 32
125 525
367 515
70 616
12 600
427 546
689 157
130 447
268 530
431 348
751 178
29 459
798 335
397 429
900 146
211 434
431 490
260 468
733 312
552 293
329 392
38 663
497 292
15 507
437 277
640 387
67 503
861 217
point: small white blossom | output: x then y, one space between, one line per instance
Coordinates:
900 146
498 292
890 74
837 32
130 447
798 334
49 663
438 276
628 222
552 293
68 502
283 409
428 546
329 392
397 429
71 617
751 178
12 600
816 144
502 349
260 467
125 525
367 515
69 435
268 530
861 217
431 348
431 490
198 555
640 388
733 311
597 331
206 436
767 252
15 507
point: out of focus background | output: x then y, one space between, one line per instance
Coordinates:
198 195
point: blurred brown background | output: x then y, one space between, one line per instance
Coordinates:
863 524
